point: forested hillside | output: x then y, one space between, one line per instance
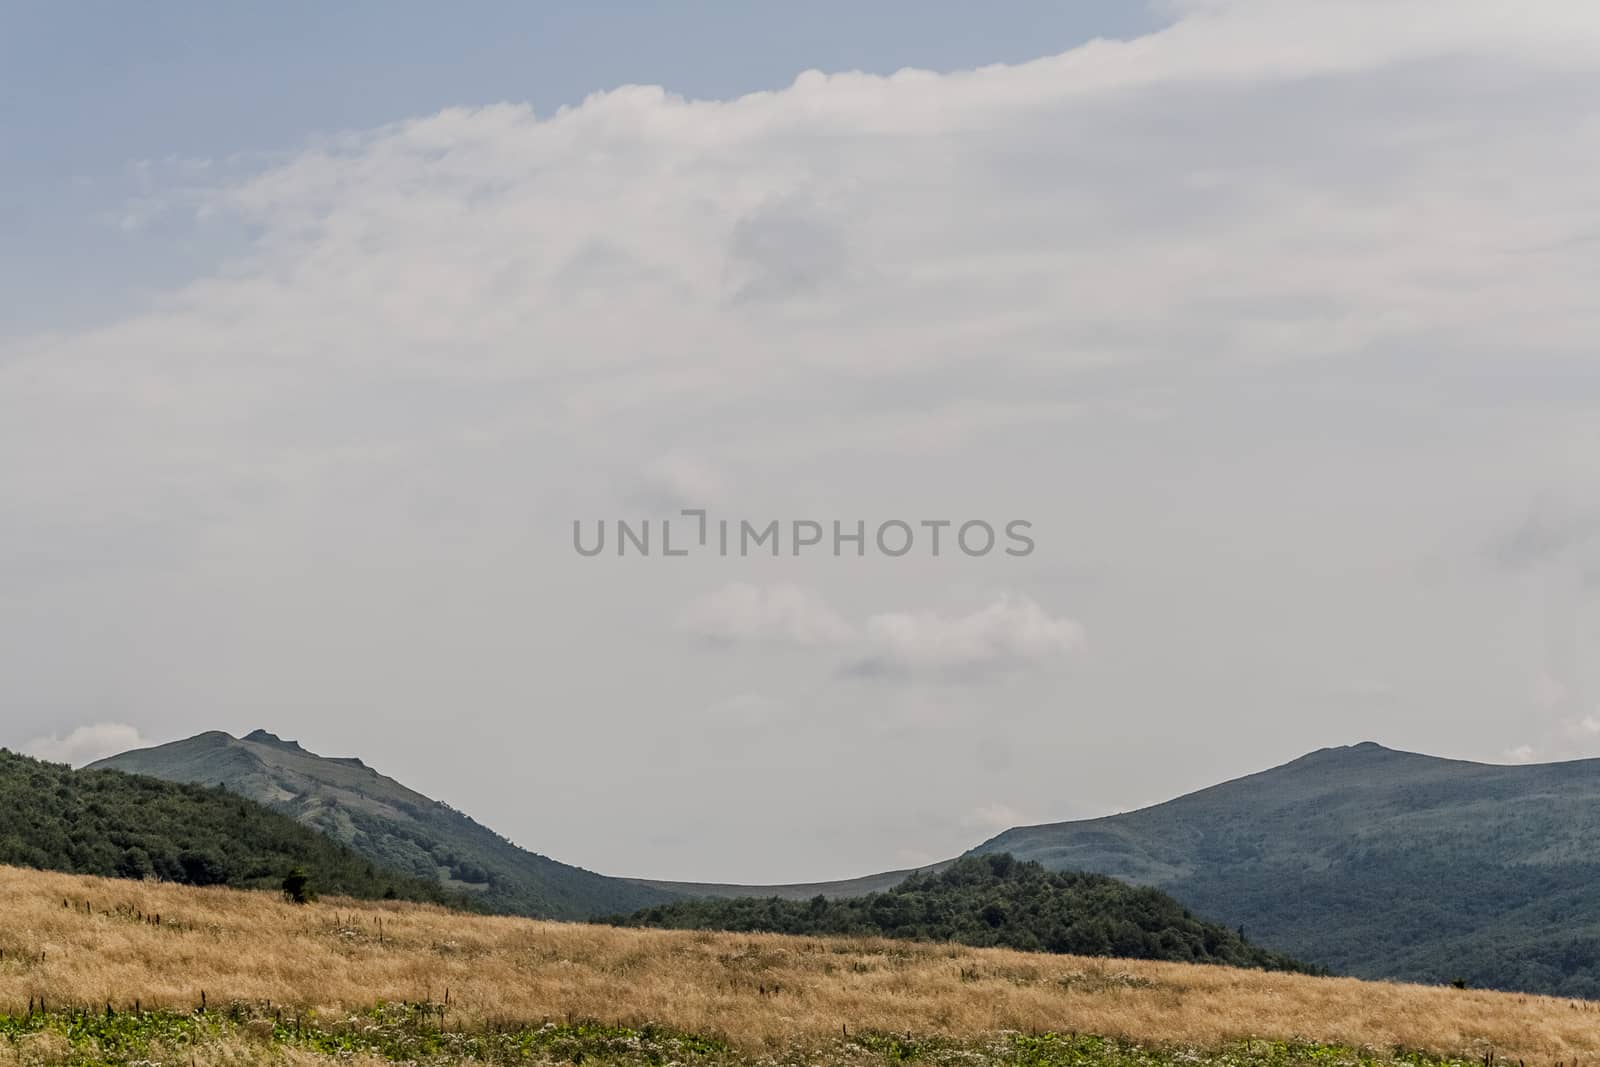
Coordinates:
130 826
1377 863
390 824
990 901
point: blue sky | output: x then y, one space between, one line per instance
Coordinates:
90 90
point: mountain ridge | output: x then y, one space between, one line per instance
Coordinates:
390 823
113 824
1368 860
1375 862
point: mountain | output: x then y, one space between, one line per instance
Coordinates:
128 826
1375 863
390 824
989 901
1369 861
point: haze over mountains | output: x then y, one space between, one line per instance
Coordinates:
388 823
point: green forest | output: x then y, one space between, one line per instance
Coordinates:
986 901
130 826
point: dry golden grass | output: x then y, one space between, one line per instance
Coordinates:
757 991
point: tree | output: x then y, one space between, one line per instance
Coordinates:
202 868
134 863
297 887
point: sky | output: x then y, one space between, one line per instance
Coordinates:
1260 332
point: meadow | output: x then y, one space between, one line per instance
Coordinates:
109 971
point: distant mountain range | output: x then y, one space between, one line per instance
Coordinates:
1369 861
393 826
1365 860
245 811
1375 863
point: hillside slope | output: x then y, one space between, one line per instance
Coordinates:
504 987
991 901
389 823
128 826
1375 863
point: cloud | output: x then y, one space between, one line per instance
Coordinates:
1007 634
783 251
1211 306
966 252
741 613
1551 530
1567 738
676 481
753 711
85 744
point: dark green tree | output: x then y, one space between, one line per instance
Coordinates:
297 887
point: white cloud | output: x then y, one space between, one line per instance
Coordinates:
1551 531
1011 632
1008 633
744 711
85 744
784 614
580 286
676 481
1561 739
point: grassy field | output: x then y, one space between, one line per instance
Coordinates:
89 976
